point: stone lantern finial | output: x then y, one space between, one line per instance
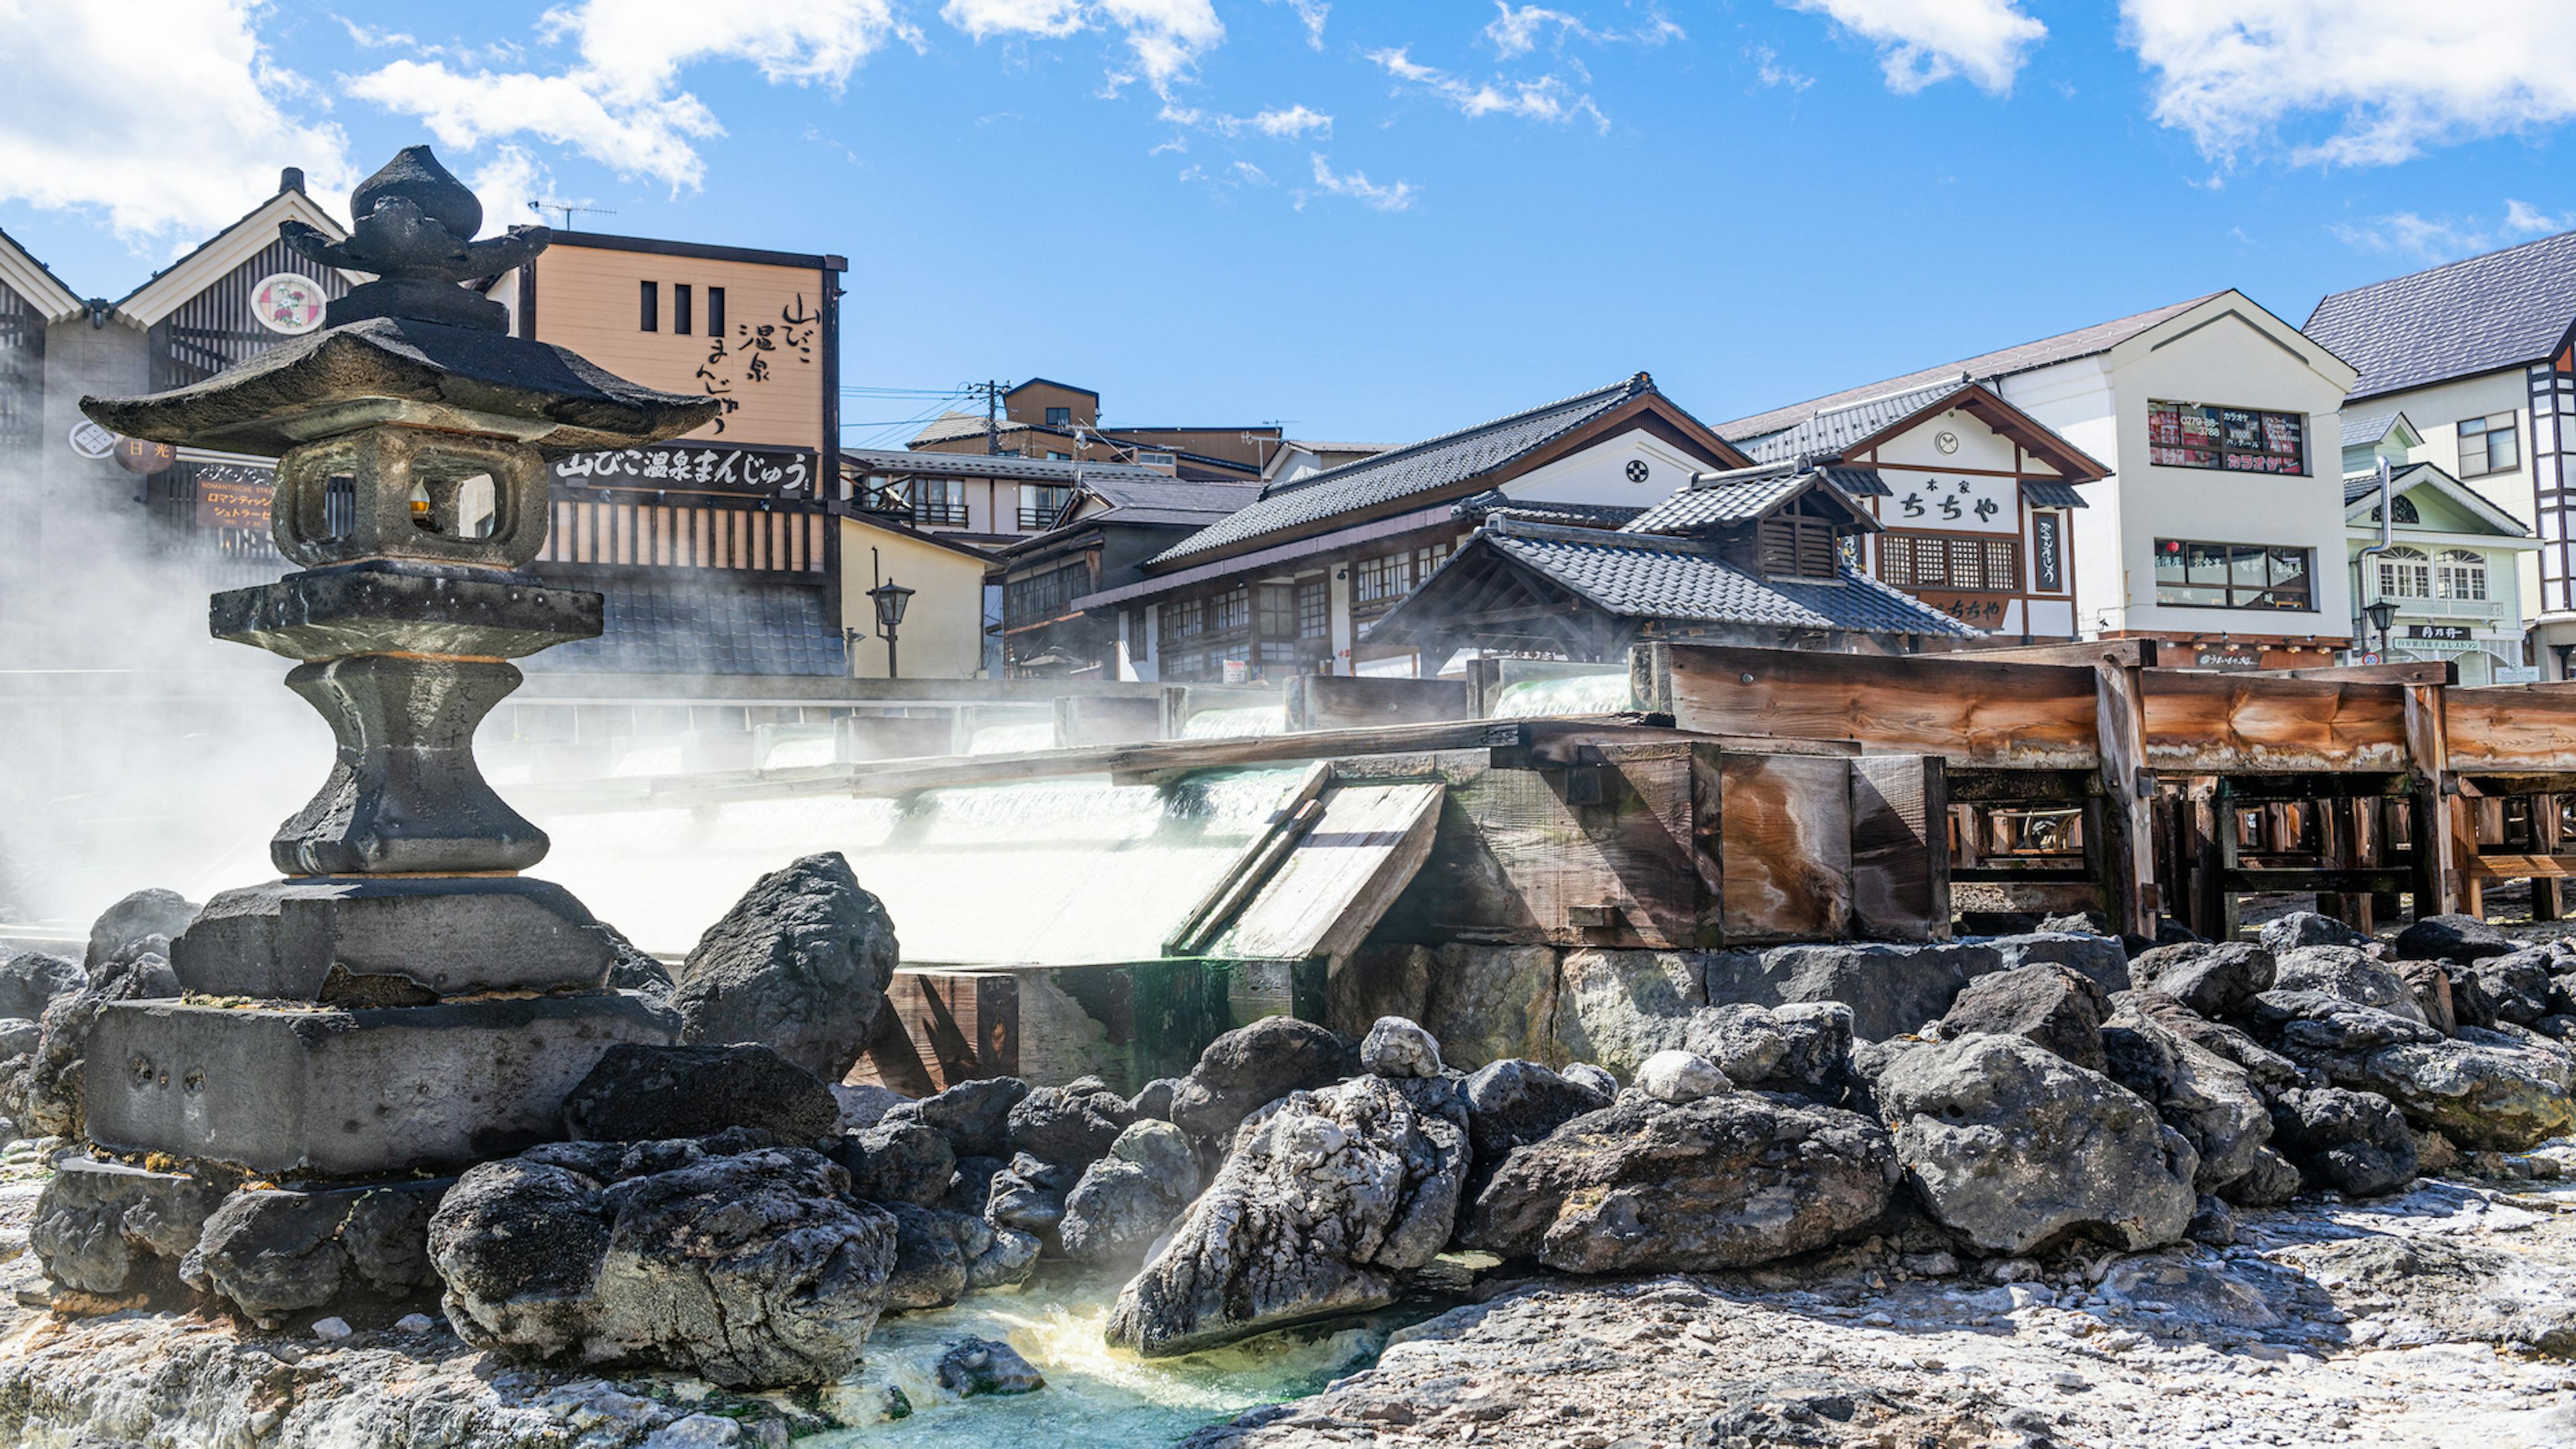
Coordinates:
413 225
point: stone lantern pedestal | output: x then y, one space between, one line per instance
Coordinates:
402 1002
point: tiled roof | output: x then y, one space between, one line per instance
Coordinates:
1422 467
2359 486
2052 493
1730 497
1495 503
2368 425
948 427
739 626
2065 346
1860 482
1645 576
1830 430
1143 496
1313 446
2498 310
1060 471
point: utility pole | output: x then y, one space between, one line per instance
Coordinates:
992 391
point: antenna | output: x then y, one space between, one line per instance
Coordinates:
568 208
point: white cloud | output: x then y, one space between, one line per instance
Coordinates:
1284 121
619 102
2411 234
165 116
1767 66
1357 186
1924 42
506 185
2380 80
1517 32
1165 38
1548 98
2521 218
1311 13
985 19
1293 121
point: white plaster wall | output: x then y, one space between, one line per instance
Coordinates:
2075 398
1599 473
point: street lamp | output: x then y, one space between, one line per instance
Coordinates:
2381 613
890 599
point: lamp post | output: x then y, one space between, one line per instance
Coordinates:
2381 613
890 599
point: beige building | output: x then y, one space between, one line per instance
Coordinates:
1050 420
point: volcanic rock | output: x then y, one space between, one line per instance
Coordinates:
1071 1126
1619 1007
1742 1040
930 1253
2271 1182
897 1162
1512 1103
1646 1187
2285 934
976 1366
2451 938
273 1252
1029 1196
2352 1142
2203 1096
1154 1099
145 918
1597 1078
2015 1148
2352 974
30 980
2053 1006
2517 986
640 1093
1891 990
2099 957
2267 1069
1126 1199
1679 1076
2212 978
974 1116
115 1230
1250 1067
800 963
1396 1047
751 1270
1329 1199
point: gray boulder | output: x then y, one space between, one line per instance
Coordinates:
2451 938
2015 1148
1071 1126
1891 989
2505 1090
1619 1007
1396 1047
30 980
645 1093
2270 1183
2099 956
2517 987
1726 1181
1154 1099
2053 1006
147 919
800 963
43 1094
751 1270
1251 1067
971 1189
1680 1076
1593 1078
2266 1068
2352 1142
1744 1041
931 1250
2213 978
2317 1028
1329 1200
897 1162
2298 929
276 1252
2203 1096
1028 1196
974 1116
1126 1199
2350 973
1817 1064
19 1037
974 1367
1513 1103
116 1230
865 1104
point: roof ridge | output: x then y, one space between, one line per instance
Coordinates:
1628 385
2439 267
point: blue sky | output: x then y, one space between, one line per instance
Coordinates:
1370 221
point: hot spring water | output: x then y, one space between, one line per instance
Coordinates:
1236 720
1567 694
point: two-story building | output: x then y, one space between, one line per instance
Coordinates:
2450 561
1116 519
2218 526
2480 354
1046 419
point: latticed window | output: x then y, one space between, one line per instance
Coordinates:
2461 574
1314 610
1796 547
1982 565
2405 573
1231 611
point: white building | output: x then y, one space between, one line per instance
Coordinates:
2219 527
2479 356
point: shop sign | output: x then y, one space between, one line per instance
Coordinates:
232 495
142 455
92 441
1983 611
1987 505
2225 657
2437 631
782 472
2517 674
2047 572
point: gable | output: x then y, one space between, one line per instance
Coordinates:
226 251
1631 469
2242 354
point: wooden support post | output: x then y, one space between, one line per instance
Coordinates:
2548 900
2219 916
2438 867
2125 850
2464 817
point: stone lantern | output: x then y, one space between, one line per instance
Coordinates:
404 1000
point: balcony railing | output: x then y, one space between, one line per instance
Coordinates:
939 515
1035 519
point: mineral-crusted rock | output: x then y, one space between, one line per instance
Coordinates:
2269 1183
1513 1103
2350 973
1643 1186
974 1116
1154 1099
1891 989
1680 1076
2430 984
2489 1091
800 963
2517 986
2316 1028
2265 1067
747 1270
930 1255
1029 1196
2098 956
19 1037
30 980
1249 1068
973 1367
2213 1225
275 1252
2451 938
864 1104
897 1162
1396 1047
2203 1096
1390 979
640 1093
2053 1006
1490 1003
1593 1076
2284 934
1620 1007
2352 1142
115 1230
1071 1126
2014 1147
972 1188
2077 923
632 968
1818 1062
1743 1040
2214 978
1126 1199
1006 1263
44 1095
1330 1197
144 917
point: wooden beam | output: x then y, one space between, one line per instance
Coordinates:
2118 653
2426 671
2534 868
2437 864
2215 724
2125 850
1971 712
1900 848
1294 817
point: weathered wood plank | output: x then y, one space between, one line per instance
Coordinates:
2428 753
2422 671
2520 867
1342 701
1340 877
2527 729
1786 848
2125 857
2207 724
1259 859
1900 848
1966 710
2117 653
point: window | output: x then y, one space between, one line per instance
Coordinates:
939 501
1231 611
1059 417
2404 573
715 312
649 318
1382 580
1314 610
2488 445
2232 575
1794 546
1042 504
1041 596
680 298
1059 457
1927 561
2240 440
2461 574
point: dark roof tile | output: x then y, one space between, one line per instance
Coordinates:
2477 315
